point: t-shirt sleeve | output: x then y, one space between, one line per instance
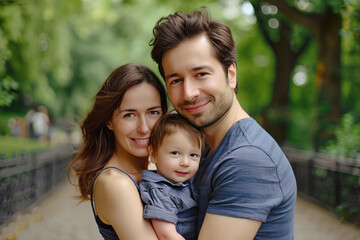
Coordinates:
245 184
158 203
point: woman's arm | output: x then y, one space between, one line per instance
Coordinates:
117 203
166 230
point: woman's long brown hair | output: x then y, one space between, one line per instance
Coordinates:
98 141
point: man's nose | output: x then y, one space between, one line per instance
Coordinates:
191 90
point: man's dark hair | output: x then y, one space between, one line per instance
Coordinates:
172 30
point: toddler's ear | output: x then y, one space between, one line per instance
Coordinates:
152 155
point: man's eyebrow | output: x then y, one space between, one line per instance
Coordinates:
206 67
171 75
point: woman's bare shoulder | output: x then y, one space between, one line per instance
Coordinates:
113 192
113 180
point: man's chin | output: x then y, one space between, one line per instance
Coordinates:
198 122
195 119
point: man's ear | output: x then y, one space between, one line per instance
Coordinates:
109 125
232 75
152 155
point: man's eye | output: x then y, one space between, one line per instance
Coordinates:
202 74
175 81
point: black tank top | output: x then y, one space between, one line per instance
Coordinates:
107 231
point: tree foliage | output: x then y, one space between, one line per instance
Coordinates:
58 53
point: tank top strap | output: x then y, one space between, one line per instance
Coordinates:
93 181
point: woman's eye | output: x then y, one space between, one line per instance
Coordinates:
155 112
128 115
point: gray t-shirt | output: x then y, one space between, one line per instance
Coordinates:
248 176
170 202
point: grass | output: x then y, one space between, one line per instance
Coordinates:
10 145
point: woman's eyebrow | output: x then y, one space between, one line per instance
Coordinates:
134 110
155 107
127 110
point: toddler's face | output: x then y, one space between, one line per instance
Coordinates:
178 157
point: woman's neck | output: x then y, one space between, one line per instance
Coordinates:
130 164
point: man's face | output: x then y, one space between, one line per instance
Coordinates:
198 87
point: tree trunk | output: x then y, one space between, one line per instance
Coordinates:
328 77
276 115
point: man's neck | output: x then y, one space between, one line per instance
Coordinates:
215 133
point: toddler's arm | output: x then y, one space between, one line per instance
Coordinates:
166 230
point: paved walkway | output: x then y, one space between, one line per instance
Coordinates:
58 217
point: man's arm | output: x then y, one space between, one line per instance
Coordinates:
224 227
166 230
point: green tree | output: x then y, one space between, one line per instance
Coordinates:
36 41
324 20
283 39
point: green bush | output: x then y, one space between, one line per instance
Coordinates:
347 142
4 126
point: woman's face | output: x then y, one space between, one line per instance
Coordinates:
133 121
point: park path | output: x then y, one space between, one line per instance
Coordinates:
59 217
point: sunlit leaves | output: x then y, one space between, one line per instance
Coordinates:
7 86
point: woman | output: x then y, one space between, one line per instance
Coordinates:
116 134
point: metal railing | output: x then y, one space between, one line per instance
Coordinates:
330 181
28 177
333 182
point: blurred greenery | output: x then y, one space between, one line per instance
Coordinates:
11 145
347 141
4 122
58 53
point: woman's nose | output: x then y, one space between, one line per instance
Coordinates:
143 125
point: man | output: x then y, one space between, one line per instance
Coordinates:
247 189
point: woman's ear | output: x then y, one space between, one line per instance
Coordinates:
109 125
152 155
